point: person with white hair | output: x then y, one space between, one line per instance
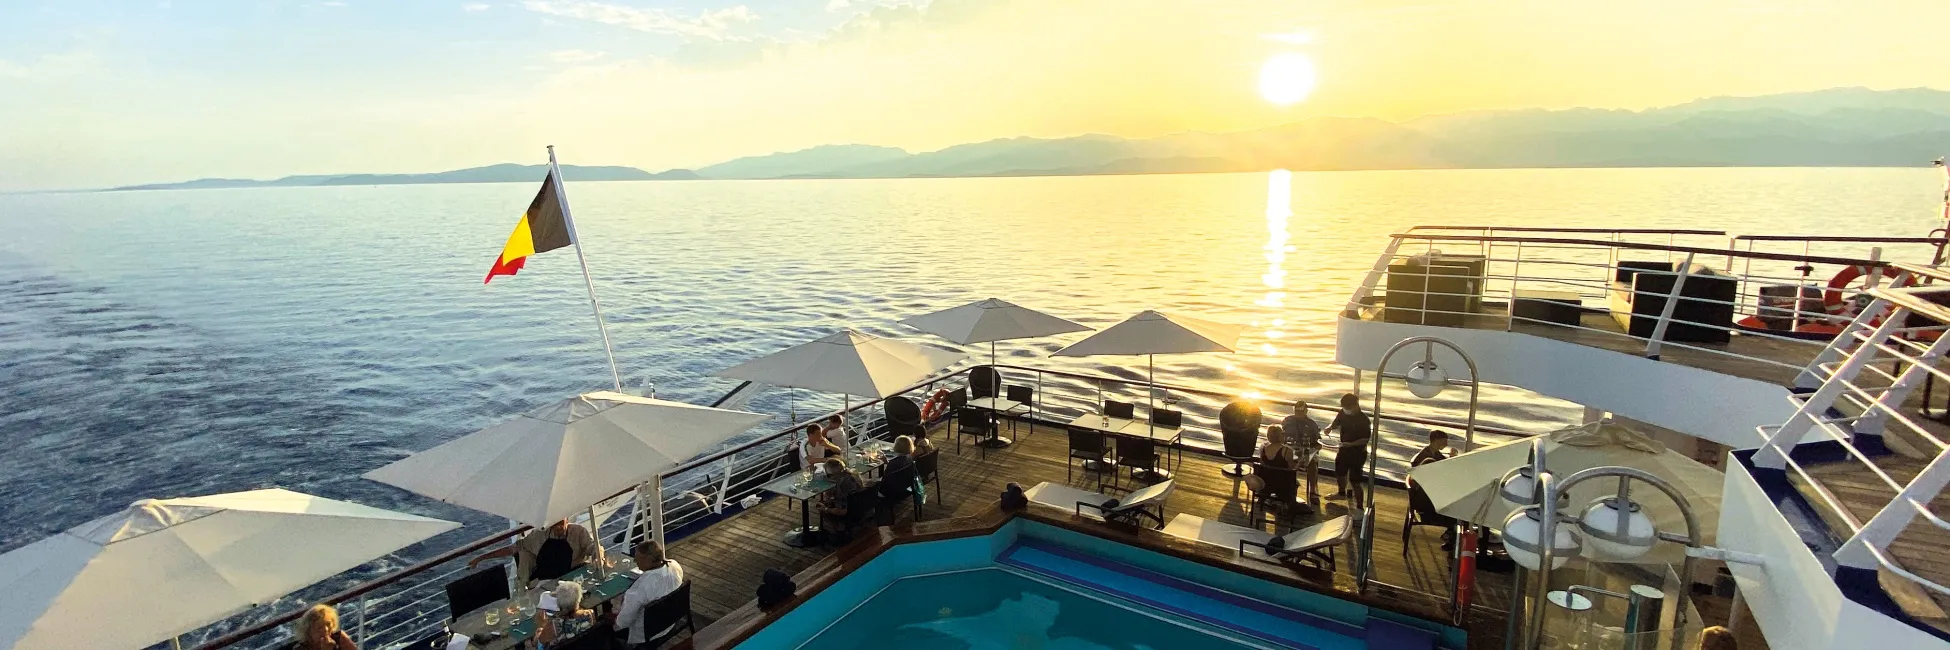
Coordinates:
568 607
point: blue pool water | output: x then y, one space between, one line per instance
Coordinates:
996 608
1035 586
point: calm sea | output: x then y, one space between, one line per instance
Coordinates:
176 343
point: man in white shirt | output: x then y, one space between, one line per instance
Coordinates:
661 576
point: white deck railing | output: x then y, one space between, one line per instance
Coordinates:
1584 265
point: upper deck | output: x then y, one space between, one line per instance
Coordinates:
1653 319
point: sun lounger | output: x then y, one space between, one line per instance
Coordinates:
1313 544
1144 503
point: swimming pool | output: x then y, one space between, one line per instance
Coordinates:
1031 585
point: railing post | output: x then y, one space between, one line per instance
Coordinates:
359 630
1774 452
1516 266
1665 312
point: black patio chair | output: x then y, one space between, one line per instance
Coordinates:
1025 399
1140 455
476 590
1121 410
1239 432
928 467
984 381
1277 495
668 616
895 486
974 422
1088 446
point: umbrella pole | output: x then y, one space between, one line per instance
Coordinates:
596 530
657 508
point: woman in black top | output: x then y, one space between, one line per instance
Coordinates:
1355 430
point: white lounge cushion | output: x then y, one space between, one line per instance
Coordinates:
1065 497
1322 535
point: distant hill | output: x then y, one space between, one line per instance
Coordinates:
502 173
806 162
1843 127
1833 127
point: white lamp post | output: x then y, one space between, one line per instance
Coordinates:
1425 380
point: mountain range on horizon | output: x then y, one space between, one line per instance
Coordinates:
1843 127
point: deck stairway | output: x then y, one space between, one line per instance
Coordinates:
1853 479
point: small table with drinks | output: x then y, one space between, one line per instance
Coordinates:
810 482
511 623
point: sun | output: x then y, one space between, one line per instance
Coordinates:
1287 78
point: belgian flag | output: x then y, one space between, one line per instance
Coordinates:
541 229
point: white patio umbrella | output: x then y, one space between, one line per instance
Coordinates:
1152 333
988 321
1465 487
556 461
847 362
164 567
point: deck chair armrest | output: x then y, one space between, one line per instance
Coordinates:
1101 510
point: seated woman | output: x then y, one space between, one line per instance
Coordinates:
834 503
1277 453
1277 487
569 622
903 457
816 448
922 446
319 629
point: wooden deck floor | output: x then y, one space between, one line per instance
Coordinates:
726 560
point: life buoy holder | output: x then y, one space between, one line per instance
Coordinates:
936 406
1838 304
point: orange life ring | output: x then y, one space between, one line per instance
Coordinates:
1466 571
1839 305
936 406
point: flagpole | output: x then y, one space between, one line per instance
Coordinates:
562 197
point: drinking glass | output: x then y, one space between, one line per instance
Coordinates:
492 617
528 604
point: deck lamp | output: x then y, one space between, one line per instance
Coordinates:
1519 487
1522 533
1425 379
1617 528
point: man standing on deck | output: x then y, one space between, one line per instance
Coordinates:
1355 431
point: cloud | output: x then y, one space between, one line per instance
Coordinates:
574 56
474 7
714 25
837 6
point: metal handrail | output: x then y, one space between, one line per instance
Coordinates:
1666 248
1619 231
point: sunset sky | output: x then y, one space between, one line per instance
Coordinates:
101 93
